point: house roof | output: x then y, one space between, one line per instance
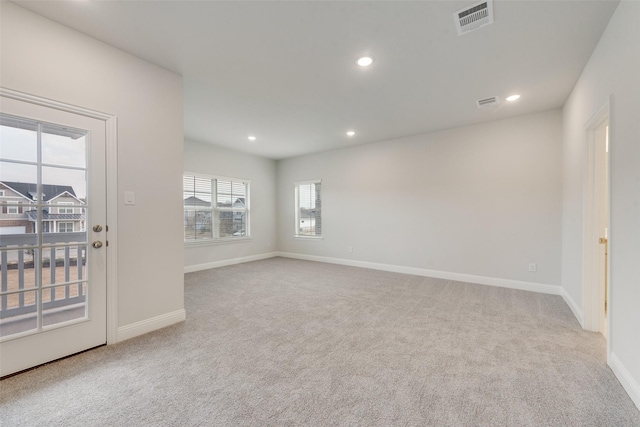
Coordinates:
194 201
29 190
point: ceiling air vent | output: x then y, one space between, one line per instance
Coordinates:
487 102
473 17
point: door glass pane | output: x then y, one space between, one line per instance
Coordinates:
19 139
17 269
14 174
63 146
63 303
43 239
20 314
68 264
60 185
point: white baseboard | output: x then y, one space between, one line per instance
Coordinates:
628 382
460 277
225 262
577 312
149 325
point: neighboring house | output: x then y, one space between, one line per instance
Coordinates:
198 220
19 212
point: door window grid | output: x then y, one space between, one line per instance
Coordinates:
23 290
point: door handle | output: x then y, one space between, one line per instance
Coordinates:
603 240
97 244
97 228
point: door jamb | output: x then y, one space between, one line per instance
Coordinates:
111 158
590 286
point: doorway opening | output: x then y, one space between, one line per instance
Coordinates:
53 179
596 255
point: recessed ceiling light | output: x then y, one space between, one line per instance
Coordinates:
252 138
513 97
365 61
351 133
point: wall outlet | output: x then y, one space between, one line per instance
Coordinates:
350 249
268 244
533 267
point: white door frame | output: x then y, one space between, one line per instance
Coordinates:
111 126
592 309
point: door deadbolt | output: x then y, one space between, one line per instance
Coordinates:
97 244
97 228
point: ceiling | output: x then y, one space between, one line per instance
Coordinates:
286 72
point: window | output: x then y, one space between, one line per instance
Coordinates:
1 193
65 209
65 227
12 209
308 209
215 208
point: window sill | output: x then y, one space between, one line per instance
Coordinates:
214 242
317 238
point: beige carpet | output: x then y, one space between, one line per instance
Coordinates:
284 342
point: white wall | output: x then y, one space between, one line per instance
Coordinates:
212 160
43 58
613 69
483 200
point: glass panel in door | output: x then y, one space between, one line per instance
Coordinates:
43 237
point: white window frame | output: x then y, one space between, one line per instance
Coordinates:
2 193
13 210
66 223
216 211
296 231
66 208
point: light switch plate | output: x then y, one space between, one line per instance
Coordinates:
129 198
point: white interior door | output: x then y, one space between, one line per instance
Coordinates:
53 276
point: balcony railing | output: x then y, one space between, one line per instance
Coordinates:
61 268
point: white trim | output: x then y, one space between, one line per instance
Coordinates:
225 262
111 156
150 325
592 301
45 102
311 181
460 277
628 383
572 305
303 237
63 203
214 242
111 127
